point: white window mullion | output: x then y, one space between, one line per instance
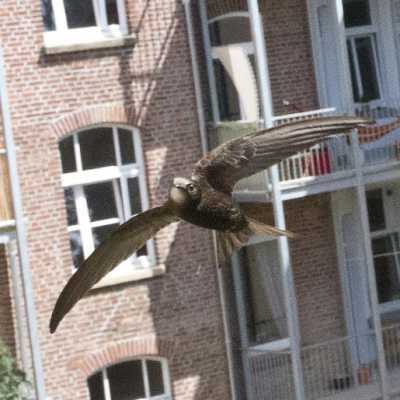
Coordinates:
376 62
84 221
356 67
77 152
103 22
122 17
118 201
145 379
106 384
60 17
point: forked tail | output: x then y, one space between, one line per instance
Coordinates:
228 242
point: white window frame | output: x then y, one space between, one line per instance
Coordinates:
394 305
64 36
367 31
165 374
134 267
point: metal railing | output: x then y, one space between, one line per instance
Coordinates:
331 159
329 369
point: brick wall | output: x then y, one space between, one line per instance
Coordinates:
288 43
153 81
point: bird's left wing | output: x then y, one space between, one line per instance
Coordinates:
123 242
244 156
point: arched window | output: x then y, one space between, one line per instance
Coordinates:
232 51
144 379
104 185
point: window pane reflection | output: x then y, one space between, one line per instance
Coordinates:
97 148
96 388
126 381
154 371
101 201
80 14
66 147
76 248
70 205
102 232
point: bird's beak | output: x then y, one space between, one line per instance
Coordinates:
181 182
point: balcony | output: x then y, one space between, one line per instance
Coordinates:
6 209
327 166
330 369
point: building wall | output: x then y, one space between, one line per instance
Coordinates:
149 86
288 43
315 268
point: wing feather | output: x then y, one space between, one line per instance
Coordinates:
244 156
123 242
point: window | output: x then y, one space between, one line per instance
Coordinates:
385 248
104 185
143 379
362 48
76 21
234 68
262 290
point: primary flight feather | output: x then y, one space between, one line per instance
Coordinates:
205 200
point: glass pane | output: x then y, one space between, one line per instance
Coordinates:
376 212
70 205
228 99
368 69
112 12
66 147
75 242
356 13
156 383
382 245
126 381
97 148
134 195
102 232
126 146
387 279
48 15
263 292
142 251
96 388
80 13
101 201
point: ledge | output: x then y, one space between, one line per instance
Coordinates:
103 43
137 275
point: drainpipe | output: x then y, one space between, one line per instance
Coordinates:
21 238
203 137
12 256
279 214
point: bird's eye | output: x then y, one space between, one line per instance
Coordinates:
191 188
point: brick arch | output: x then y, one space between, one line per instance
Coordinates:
112 354
115 113
219 8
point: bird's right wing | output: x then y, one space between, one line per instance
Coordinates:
244 156
126 240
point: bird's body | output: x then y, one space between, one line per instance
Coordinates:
205 200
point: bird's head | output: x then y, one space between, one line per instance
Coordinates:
184 192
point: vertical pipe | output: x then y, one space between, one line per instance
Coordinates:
372 288
283 244
12 251
209 60
21 238
203 137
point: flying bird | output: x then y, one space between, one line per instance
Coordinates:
205 200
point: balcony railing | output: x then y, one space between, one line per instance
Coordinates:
331 369
379 145
6 213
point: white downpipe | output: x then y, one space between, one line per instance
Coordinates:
203 137
12 253
372 288
21 238
283 244
196 76
209 61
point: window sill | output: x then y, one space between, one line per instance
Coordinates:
137 275
99 43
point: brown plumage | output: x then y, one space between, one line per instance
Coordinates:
205 200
